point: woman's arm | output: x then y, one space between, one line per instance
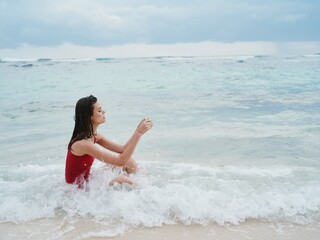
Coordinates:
110 145
88 147
115 147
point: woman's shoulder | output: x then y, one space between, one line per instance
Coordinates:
80 145
83 146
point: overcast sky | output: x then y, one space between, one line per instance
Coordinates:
155 26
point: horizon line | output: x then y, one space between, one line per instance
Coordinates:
143 50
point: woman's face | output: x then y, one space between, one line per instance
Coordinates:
98 116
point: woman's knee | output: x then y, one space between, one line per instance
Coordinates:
131 166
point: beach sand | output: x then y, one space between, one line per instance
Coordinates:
55 229
248 230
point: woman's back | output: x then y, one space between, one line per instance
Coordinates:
77 168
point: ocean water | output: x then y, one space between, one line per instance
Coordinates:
234 139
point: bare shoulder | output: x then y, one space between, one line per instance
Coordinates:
80 147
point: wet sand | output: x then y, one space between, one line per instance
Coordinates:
57 229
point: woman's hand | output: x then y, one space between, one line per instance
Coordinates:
144 126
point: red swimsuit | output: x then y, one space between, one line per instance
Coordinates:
77 168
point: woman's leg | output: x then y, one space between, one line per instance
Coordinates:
131 166
121 180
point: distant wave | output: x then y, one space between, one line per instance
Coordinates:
104 59
8 60
237 58
27 65
24 60
44 59
40 60
261 56
312 55
175 57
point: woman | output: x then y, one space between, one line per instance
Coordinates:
82 148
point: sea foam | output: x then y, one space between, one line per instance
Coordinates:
169 193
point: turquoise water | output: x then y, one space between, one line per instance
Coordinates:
237 137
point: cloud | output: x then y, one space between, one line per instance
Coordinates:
290 18
105 23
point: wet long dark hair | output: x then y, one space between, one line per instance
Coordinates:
83 126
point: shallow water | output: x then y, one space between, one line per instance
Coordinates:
234 139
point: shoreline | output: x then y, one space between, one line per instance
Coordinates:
55 228
250 229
